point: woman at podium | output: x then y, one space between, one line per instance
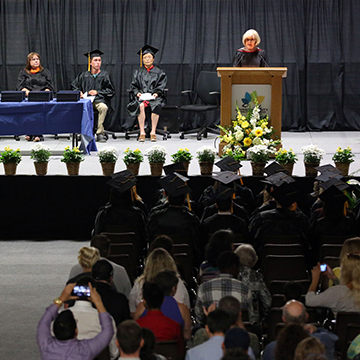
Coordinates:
250 55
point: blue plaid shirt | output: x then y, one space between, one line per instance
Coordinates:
215 289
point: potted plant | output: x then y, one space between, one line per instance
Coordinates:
259 156
236 153
132 160
72 158
10 158
156 155
286 158
184 156
343 158
312 157
206 157
108 157
40 154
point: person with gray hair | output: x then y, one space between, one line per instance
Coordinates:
261 297
294 312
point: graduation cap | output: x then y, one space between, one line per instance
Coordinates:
92 54
177 167
147 49
326 168
228 163
175 184
273 168
122 181
278 179
333 192
328 172
224 193
225 177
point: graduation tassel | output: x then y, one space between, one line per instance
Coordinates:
188 201
241 180
141 58
89 61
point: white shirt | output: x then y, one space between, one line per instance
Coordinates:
135 298
88 324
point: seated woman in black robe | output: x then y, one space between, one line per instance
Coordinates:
147 89
250 55
34 78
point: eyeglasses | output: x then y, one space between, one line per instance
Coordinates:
246 40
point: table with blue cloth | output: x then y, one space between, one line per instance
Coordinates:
20 118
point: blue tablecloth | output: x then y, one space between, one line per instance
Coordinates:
34 118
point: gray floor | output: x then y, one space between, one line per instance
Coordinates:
329 141
32 274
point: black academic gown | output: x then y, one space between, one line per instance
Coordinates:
151 82
244 58
35 82
102 83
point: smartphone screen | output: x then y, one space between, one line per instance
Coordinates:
81 290
323 267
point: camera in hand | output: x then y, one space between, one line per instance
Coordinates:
81 291
323 267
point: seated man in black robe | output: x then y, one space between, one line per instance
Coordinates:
96 82
147 90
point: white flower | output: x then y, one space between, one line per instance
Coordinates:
239 135
39 146
259 149
206 150
155 149
107 151
258 141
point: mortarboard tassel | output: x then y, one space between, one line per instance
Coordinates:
89 61
141 58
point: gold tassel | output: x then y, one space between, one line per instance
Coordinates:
89 61
241 180
141 58
188 201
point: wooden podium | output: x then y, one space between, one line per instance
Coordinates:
252 75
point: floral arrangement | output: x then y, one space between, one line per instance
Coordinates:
259 153
132 156
249 131
156 154
40 153
72 155
10 156
182 155
343 155
206 154
312 154
285 157
108 154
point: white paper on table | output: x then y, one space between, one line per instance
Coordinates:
146 97
91 97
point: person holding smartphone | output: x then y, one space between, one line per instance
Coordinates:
65 341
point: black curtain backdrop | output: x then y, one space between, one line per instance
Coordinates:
317 40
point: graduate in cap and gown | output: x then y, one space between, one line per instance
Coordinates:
147 89
96 82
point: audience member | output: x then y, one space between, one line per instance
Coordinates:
343 297
294 312
232 307
121 279
261 297
163 327
87 257
157 261
115 303
220 241
287 341
65 344
235 354
87 318
310 345
217 324
147 351
167 280
162 241
129 339
225 283
237 338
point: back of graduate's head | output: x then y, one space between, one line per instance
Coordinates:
65 326
176 200
218 321
153 295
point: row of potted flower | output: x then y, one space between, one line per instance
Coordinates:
259 155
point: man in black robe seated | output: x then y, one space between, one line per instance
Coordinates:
96 82
175 220
147 89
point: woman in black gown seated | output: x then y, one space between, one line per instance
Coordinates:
250 55
34 78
